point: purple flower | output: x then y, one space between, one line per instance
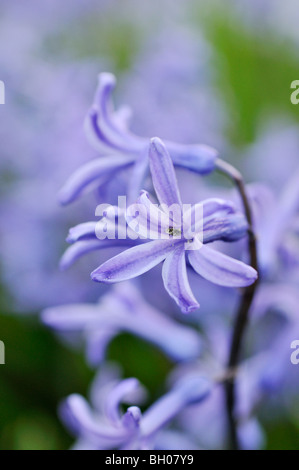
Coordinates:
108 133
84 239
107 428
123 309
219 221
276 221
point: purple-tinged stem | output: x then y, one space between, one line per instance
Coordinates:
242 317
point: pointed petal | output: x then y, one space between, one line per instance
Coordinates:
79 417
146 219
133 262
98 171
176 282
81 248
72 317
221 269
163 174
85 231
104 127
132 417
117 395
189 391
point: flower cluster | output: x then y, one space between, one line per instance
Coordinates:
202 247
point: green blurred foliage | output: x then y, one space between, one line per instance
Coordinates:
253 68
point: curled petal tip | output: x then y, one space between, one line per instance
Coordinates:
101 276
190 308
157 143
63 198
155 140
253 275
106 78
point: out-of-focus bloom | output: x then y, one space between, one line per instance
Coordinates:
208 424
108 428
263 160
108 133
123 309
277 226
188 109
266 380
275 317
219 221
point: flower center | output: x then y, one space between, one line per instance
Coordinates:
173 231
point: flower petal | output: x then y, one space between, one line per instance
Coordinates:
117 395
72 317
132 417
176 282
187 392
163 174
98 170
79 417
221 269
133 262
228 229
97 343
138 176
81 248
222 221
85 231
146 219
106 128
123 309
199 158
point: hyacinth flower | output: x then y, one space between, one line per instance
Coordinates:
219 221
266 379
108 133
279 302
123 309
277 227
108 428
207 423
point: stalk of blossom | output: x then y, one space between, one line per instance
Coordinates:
175 232
123 309
132 430
107 132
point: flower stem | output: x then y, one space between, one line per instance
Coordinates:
242 316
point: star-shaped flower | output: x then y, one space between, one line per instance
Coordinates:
176 232
123 309
107 428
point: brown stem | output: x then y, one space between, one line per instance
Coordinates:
242 316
